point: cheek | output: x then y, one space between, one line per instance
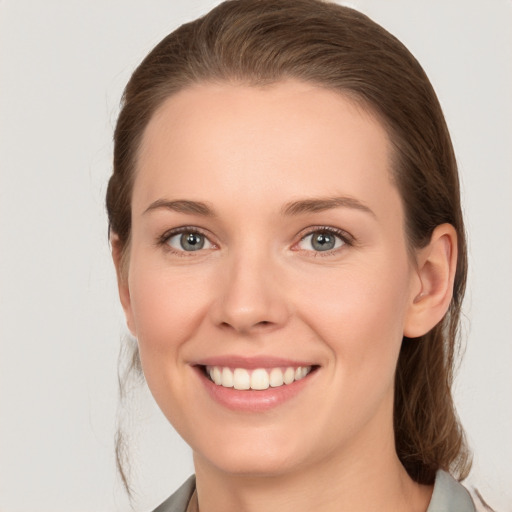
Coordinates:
359 313
167 307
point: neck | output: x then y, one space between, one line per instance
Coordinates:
359 481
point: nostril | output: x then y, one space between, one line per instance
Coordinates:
243 328
263 324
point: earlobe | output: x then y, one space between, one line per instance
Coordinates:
121 265
436 266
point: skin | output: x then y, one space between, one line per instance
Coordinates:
260 288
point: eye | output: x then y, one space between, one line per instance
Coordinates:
189 241
321 240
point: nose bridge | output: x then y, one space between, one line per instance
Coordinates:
251 295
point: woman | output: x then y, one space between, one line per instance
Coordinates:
286 228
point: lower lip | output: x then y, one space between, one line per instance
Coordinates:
252 400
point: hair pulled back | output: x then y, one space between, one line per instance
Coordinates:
258 42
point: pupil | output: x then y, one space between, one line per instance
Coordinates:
192 241
323 242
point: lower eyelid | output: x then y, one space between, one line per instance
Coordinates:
342 237
207 242
168 235
338 244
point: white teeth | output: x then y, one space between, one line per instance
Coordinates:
289 376
227 378
258 379
216 376
276 377
241 379
300 372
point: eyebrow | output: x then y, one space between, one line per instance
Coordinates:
321 204
293 208
181 206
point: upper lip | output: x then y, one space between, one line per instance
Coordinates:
236 361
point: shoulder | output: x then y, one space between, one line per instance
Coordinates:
450 495
178 502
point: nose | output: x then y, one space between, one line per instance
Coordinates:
251 296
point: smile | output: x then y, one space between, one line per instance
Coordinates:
256 379
255 384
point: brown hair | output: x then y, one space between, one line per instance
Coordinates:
263 41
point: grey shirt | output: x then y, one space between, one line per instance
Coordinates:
448 496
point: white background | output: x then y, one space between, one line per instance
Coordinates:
63 65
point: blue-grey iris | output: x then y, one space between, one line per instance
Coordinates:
192 241
323 241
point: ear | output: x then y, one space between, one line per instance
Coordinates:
436 265
121 265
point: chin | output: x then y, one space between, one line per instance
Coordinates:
245 465
251 455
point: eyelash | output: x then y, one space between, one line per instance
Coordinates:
345 237
163 240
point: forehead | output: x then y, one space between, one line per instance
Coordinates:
292 137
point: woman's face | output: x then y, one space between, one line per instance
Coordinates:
267 236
